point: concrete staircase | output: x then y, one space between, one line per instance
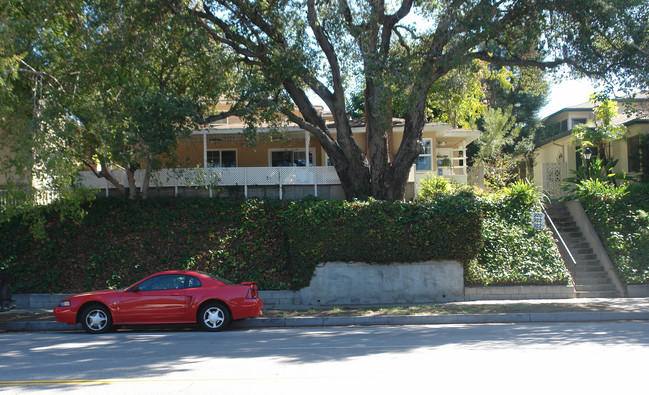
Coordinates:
591 278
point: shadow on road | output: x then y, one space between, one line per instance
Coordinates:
143 353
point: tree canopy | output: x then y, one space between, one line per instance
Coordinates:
119 81
288 48
600 134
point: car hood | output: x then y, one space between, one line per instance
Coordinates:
96 293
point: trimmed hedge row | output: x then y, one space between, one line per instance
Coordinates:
620 215
514 252
276 243
381 232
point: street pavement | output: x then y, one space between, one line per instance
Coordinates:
507 311
525 358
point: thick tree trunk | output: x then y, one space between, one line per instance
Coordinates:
132 188
107 175
147 176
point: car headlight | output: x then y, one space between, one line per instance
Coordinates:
64 303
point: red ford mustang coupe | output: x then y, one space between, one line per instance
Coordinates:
173 297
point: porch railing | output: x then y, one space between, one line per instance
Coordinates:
223 176
39 197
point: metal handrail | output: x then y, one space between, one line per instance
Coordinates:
573 262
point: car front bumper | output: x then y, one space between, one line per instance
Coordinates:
66 315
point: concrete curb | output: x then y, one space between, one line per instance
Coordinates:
513 318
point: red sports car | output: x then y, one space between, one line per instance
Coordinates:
172 297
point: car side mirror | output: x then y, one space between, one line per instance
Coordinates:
135 289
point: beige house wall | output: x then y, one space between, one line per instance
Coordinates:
549 153
190 150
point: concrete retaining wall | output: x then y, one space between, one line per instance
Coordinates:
38 301
343 283
638 290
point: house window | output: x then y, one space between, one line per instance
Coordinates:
425 160
564 125
633 152
290 158
222 158
579 121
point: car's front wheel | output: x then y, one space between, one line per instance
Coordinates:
96 319
214 317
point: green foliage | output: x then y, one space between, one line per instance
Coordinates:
500 171
434 186
620 217
603 132
499 130
382 232
644 158
275 243
457 98
594 190
597 170
523 196
515 253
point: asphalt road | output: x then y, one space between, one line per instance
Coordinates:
574 358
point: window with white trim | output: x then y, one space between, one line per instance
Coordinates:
425 160
289 158
221 158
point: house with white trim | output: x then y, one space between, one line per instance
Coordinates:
290 167
556 158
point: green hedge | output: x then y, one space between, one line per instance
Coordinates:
382 232
620 215
514 253
276 243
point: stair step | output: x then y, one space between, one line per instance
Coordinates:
578 244
584 258
597 294
593 280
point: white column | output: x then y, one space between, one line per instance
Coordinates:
307 140
205 150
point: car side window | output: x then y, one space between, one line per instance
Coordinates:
193 282
162 283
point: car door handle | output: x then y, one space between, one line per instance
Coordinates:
175 294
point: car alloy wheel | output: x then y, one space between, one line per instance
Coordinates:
96 319
214 317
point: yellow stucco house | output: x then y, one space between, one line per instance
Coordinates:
556 158
292 167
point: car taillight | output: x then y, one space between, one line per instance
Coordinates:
252 292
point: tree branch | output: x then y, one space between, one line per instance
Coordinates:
390 21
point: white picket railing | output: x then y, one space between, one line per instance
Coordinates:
5 199
39 197
222 176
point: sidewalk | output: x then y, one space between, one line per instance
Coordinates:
475 312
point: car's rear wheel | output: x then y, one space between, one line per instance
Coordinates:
214 317
96 319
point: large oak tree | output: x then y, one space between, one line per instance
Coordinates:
289 48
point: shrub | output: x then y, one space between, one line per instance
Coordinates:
446 228
620 215
433 186
515 253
